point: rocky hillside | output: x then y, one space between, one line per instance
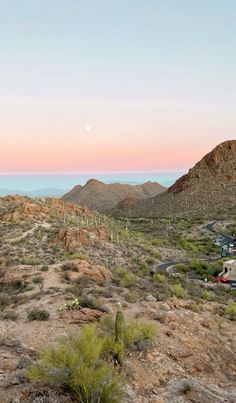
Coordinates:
209 189
62 266
102 197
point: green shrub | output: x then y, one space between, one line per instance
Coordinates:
178 291
136 333
142 269
230 311
4 300
9 314
92 303
132 296
29 261
37 280
159 278
68 266
195 307
38 314
44 268
124 277
78 364
83 302
205 269
208 295
72 256
181 267
79 256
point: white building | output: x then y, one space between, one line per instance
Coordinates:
229 269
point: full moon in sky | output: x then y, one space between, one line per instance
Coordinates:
88 128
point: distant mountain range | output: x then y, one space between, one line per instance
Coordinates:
103 197
47 192
208 189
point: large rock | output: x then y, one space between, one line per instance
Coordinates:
83 268
72 238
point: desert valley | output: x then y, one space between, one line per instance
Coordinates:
122 293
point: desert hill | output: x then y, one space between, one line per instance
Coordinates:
63 266
208 189
102 197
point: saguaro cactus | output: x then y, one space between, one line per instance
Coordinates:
120 321
119 334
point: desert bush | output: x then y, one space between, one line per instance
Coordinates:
124 277
72 256
230 311
68 266
205 269
137 334
159 277
66 276
75 290
84 302
44 268
9 314
195 307
78 364
132 296
178 291
160 242
208 295
79 256
37 280
38 314
29 261
90 302
181 267
143 269
187 245
4 300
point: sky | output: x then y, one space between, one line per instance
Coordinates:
115 85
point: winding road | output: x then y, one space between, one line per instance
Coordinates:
227 238
210 227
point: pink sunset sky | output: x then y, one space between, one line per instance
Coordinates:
112 87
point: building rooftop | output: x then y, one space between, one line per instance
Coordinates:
233 261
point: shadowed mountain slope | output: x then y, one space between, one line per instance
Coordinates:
208 189
102 197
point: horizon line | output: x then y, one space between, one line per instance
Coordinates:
48 173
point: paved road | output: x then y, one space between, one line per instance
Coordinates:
227 238
164 266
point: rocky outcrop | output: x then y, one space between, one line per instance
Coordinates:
72 238
83 268
19 208
81 316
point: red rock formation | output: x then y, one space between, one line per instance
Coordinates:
72 238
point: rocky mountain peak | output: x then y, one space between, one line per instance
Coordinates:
218 165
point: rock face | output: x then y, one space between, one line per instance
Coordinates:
72 238
217 166
102 197
83 268
209 189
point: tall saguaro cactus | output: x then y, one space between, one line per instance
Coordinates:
120 321
119 334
